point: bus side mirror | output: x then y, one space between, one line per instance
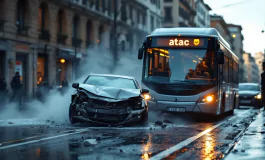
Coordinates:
220 57
140 53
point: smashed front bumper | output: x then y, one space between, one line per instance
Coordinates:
108 116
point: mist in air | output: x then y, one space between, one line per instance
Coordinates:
56 107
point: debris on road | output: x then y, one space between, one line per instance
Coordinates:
10 123
158 123
167 121
88 142
164 126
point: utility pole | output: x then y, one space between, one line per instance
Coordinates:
114 49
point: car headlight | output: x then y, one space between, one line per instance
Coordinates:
258 96
147 96
208 98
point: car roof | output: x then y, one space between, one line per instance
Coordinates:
112 75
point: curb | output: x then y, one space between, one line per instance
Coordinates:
239 136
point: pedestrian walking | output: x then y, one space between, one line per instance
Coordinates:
263 85
3 90
64 86
16 87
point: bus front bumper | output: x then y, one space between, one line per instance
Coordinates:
167 106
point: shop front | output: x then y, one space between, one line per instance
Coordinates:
22 68
42 69
66 64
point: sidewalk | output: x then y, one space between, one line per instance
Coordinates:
252 144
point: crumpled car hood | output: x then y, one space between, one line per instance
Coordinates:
111 92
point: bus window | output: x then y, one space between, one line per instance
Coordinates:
231 71
172 65
226 70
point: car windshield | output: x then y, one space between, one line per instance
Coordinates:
108 81
180 65
249 87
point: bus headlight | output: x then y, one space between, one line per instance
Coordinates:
147 97
258 96
207 98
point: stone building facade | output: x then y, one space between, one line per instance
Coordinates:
179 13
45 40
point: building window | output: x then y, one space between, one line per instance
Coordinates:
158 4
60 21
100 34
61 27
75 32
41 16
152 22
138 17
131 12
168 14
97 4
89 33
103 5
21 9
75 26
144 19
123 12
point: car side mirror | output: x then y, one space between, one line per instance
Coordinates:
220 56
144 91
140 53
75 85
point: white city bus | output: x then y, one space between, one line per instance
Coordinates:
190 70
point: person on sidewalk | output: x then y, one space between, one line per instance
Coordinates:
3 90
16 87
263 84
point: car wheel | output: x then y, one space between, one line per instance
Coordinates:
71 115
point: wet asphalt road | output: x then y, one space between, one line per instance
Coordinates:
178 137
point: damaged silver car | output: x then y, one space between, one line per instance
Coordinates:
109 100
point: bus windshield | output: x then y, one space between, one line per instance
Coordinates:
179 65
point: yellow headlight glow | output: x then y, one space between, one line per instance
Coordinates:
147 96
258 96
208 99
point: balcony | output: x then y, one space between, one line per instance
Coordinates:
22 30
76 42
2 24
61 38
45 35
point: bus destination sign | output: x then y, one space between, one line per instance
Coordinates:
179 42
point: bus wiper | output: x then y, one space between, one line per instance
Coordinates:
185 82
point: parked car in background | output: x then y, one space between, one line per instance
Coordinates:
250 94
109 100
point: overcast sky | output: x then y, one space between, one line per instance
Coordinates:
250 14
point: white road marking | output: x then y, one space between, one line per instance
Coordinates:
143 128
186 142
126 128
43 139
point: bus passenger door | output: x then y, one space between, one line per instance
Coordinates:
221 88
